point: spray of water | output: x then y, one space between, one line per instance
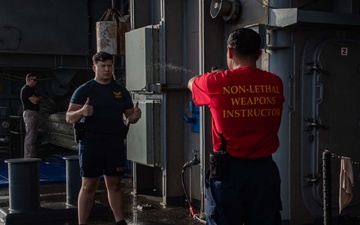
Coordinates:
170 66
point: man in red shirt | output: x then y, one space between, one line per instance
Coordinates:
246 106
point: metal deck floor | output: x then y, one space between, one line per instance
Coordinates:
139 209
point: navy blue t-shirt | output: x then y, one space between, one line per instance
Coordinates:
25 93
109 102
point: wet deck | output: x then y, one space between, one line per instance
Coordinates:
139 209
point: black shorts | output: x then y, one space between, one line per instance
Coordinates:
99 157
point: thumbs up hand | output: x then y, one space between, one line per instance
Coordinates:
136 114
137 111
87 110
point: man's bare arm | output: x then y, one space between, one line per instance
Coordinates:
191 81
34 99
76 111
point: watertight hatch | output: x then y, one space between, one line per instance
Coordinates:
331 118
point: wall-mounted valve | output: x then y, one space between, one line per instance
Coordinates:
313 123
194 161
194 120
228 9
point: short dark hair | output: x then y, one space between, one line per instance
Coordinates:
102 56
245 41
30 75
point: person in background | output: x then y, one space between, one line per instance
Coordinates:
243 186
98 107
30 99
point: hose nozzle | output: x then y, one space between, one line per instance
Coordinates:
194 161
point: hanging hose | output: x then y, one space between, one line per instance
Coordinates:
193 162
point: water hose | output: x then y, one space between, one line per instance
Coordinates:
193 162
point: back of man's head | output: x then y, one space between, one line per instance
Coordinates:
30 76
245 41
102 56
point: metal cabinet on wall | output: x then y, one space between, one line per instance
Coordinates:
142 58
143 137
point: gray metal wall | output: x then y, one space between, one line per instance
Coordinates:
196 42
299 157
286 28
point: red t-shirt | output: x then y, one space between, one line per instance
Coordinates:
246 106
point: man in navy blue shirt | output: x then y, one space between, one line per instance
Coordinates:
30 99
101 105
